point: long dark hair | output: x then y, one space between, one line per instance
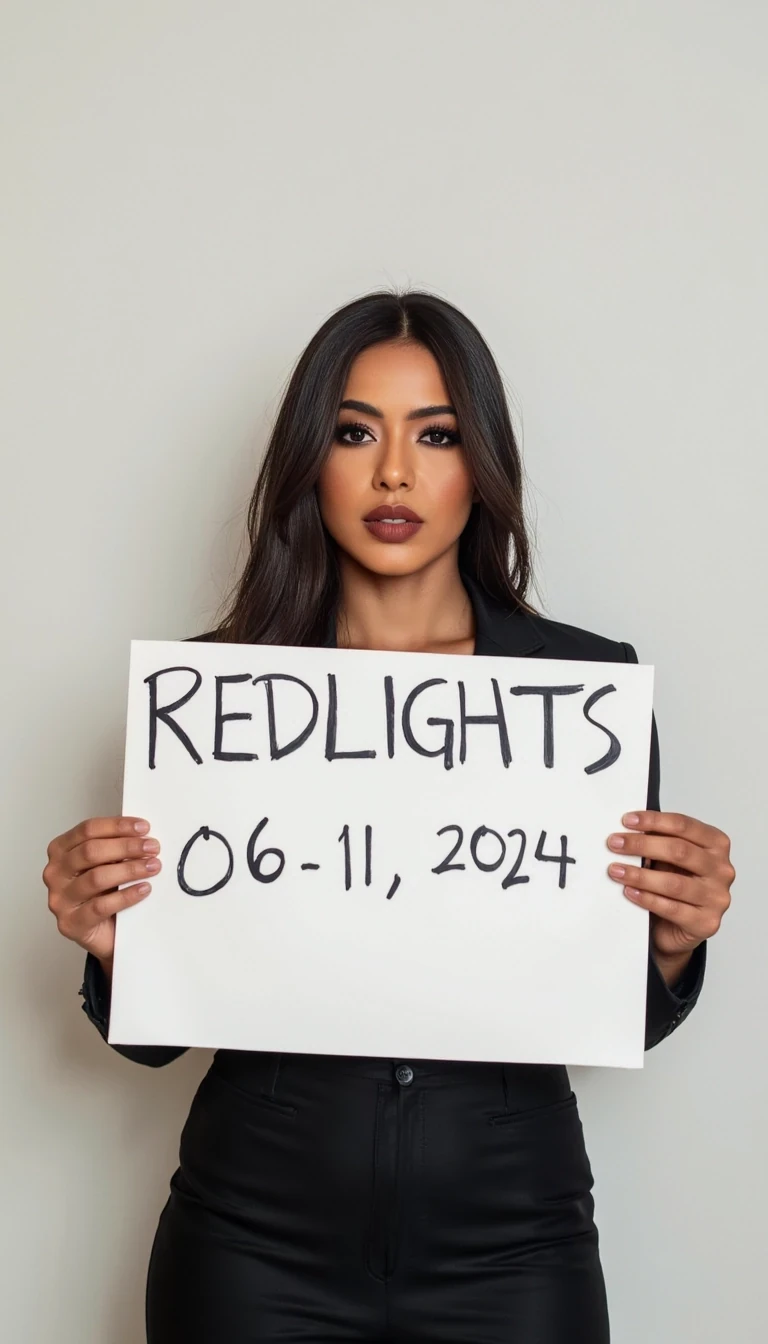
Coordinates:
290 585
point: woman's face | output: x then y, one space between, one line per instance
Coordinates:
396 449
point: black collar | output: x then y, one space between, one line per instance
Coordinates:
499 629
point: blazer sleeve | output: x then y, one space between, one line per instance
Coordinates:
666 1005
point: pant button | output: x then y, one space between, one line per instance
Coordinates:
404 1075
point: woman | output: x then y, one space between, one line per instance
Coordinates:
329 1198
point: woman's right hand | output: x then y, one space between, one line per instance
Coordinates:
85 866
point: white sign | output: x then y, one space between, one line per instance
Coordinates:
394 854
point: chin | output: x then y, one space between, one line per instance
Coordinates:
391 560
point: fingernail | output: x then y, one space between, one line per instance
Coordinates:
616 841
150 846
617 870
632 893
630 819
152 865
143 889
142 827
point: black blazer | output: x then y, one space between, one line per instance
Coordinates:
499 629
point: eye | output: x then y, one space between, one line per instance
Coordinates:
351 427
442 431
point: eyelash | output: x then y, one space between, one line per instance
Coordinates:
451 434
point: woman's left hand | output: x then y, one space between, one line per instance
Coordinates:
687 885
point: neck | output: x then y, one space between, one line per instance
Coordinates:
426 612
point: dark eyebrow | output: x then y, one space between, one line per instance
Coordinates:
421 414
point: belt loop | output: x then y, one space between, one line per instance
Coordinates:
270 1082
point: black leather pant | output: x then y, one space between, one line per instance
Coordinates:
331 1198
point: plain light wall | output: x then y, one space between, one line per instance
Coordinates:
190 188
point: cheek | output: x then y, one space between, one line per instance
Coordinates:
337 485
451 488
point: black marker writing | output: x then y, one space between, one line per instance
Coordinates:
205 834
497 718
417 697
274 750
488 850
446 750
614 750
255 860
164 712
331 754
389 700
222 718
548 693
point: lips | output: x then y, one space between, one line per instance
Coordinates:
379 522
385 511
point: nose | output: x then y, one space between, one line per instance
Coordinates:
394 465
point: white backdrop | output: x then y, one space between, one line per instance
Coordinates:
190 188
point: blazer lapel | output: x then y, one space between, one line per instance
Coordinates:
500 629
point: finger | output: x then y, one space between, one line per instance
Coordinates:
85 888
93 853
96 828
668 848
81 920
677 886
679 913
692 919
677 823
